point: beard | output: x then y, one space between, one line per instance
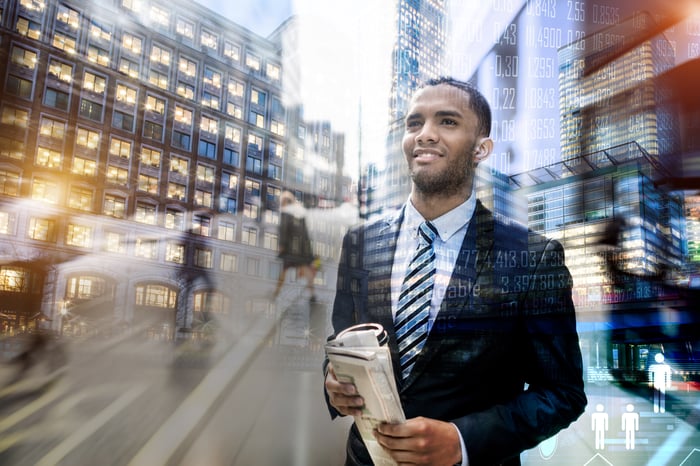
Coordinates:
451 180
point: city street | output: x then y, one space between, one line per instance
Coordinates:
259 400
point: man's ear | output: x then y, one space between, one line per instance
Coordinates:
483 149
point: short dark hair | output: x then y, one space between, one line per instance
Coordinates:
477 102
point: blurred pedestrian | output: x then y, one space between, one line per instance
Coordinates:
295 244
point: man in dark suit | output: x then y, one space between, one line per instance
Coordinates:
499 367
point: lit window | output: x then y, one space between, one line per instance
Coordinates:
255 144
148 183
133 5
188 67
270 240
156 296
48 158
252 62
278 128
210 100
227 231
118 175
28 28
126 94
23 57
205 173
150 157
179 165
80 198
9 183
160 15
79 235
87 138
129 68
249 236
15 117
44 190
158 79
120 148
68 16
185 90
160 55
85 167
228 262
177 191
183 115
232 134
251 211
174 220
201 225
100 32
235 88
256 119
209 125
175 252
52 128
42 229
185 28
232 51
155 104
252 189
94 83
33 5
115 242
257 98
229 181
98 56
132 43
209 39
145 213
203 258
272 71
203 198
61 71
212 78
11 148
234 110
64 42
146 248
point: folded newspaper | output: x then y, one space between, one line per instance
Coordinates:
360 355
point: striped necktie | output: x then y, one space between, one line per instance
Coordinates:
411 320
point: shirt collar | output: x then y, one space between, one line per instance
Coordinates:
447 224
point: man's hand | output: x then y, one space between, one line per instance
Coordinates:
343 396
421 441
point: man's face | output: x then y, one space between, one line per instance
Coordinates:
441 143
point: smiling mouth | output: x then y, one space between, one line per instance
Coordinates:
426 155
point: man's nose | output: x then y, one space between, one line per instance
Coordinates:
427 134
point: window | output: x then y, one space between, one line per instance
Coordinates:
181 140
185 28
175 252
33 5
234 110
255 145
227 231
257 98
145 213
48 158
99 56
236 89
205 173
95 84
158 79
201 225
56 99
270 240
64 42
114 206
123 121
23 88
177 191
126 95
209 125
203 258
232 157
228 204
7 223
52 128
232 51
254 164
183 115
180 166
23 57
210 100
68 16
85 287
212 78
146 248
160 55
79 235
61 71
209 40
185 90
117 175
232 135
150 157
249 236
148 183
252 189
274 171
11 148
80 198
42 229
9 183
155 104
28 28
277 127
272 71
273 195
129 68
256 119
251 211
152 130
206 149
85 167
203 198
229 181
120 148
187 67
115 242
132 43
174 219
87 138
252 61
228 262
160 16
91 110
156 296
100 32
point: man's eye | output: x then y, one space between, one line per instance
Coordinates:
449 121
412 124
